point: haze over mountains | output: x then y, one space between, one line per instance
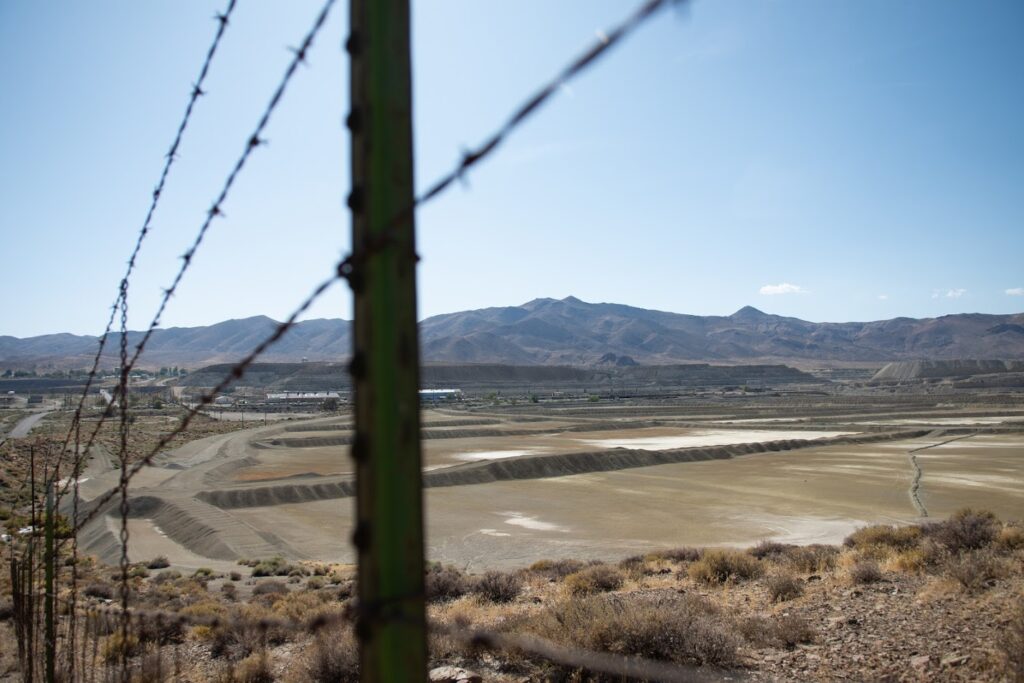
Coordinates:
567 332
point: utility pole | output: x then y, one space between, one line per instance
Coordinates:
391 622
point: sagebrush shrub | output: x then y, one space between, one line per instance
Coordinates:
685 630
158 562
595 579
783 587
445 583
720 566
333 657
865 571
966 529
556 569
498 586
976 571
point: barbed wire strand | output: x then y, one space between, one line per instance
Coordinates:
345 268
529 107
223 19
253 141
236 373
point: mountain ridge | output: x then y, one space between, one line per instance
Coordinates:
567 331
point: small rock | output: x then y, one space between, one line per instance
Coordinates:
454 674
954 660
921 662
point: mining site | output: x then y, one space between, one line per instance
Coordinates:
521 467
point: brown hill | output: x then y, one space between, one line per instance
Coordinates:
570 332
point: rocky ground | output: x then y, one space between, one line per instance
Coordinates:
943 602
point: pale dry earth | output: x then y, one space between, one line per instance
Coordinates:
801 494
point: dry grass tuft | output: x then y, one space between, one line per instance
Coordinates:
1010 538
770 550
498 586
598 578
684 630
811 559
783 587
115 647
720 566
966 529
1011 647
556 569
881 541
254 669
976 571
332 657
675 555
865 571
785 631
445 583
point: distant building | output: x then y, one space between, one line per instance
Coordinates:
303 395
440 395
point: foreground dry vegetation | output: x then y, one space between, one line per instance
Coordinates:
941 601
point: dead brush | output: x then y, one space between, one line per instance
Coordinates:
635 567
721 566
1011 647
976 571
1010 538
783 587
770 550
332 656
810 559
785 631
678 555
684 629
445 583
865 571
116 646
556 570
880 541
924 557
598 578
966 529
498 586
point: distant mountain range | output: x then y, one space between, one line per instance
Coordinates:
566 332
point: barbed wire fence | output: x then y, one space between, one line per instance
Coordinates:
104 645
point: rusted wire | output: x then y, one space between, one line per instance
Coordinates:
253 141
169 158
347 269
236 373
519 115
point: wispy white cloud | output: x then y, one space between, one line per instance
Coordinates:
949 293
1015 291
883 297
782 288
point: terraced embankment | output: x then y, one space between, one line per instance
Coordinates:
257 493
529 467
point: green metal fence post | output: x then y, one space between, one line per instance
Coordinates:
385 362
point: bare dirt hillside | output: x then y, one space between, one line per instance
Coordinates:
570 332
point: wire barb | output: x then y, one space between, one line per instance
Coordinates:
170 158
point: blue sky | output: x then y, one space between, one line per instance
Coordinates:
832 161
